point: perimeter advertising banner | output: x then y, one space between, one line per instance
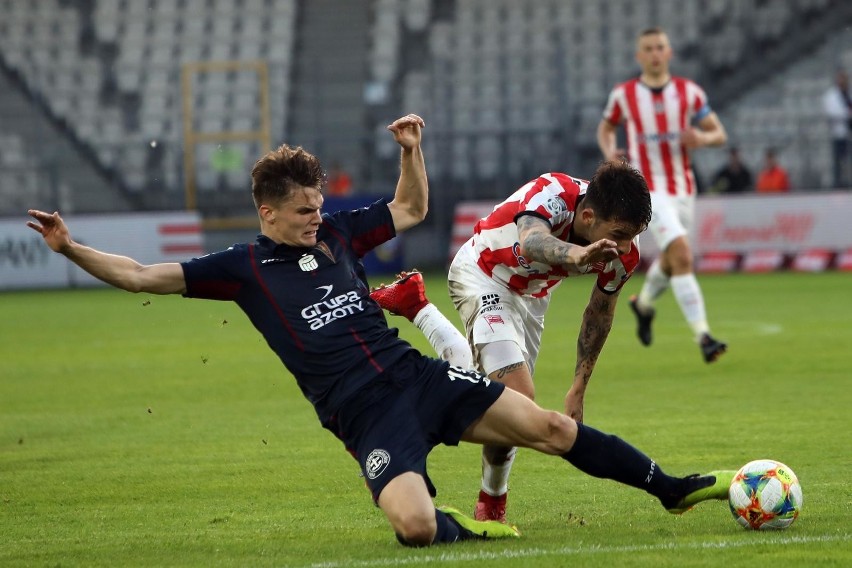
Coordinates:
737 224
787 223
26 262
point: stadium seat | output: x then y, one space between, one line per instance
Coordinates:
535 64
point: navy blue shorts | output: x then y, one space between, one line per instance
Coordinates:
391 425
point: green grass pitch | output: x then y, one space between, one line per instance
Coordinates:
159 431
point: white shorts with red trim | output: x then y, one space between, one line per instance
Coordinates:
672 217
491 312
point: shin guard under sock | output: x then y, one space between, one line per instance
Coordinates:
607 456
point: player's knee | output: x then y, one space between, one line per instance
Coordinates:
561 432
681 264
416 528
679 257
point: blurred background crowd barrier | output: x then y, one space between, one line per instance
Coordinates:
127 106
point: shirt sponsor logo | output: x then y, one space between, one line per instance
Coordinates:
659 137
516 250
332 309
522 262
377 462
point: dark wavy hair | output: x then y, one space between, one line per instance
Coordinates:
619 192
278 172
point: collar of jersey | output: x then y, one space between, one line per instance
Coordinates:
272 248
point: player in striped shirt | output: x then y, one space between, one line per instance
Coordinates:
501 281
665 117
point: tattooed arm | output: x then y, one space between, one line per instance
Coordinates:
597 321
538 243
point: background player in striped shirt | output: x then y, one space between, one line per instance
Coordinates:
665 117
501 282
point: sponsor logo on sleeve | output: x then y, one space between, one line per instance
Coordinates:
555 205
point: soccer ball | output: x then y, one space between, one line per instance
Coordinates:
765 494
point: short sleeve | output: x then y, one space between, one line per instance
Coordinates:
549 198
612 111
364 228
215 276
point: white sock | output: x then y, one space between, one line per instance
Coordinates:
656 282
691 301
495 477
444 337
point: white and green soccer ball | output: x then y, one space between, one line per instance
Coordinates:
765 494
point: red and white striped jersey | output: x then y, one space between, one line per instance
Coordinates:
654 121
553 197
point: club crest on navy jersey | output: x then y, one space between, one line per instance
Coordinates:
308 263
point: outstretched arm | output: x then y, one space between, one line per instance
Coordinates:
119 271
597 321
409 204
538 243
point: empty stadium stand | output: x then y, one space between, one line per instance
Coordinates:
111 69
509 88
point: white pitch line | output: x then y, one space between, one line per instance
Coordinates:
575 550
769 329
751 327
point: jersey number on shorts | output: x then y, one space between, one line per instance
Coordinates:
467 375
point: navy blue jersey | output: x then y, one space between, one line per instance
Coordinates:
312 305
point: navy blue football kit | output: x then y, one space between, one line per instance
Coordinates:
313 307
